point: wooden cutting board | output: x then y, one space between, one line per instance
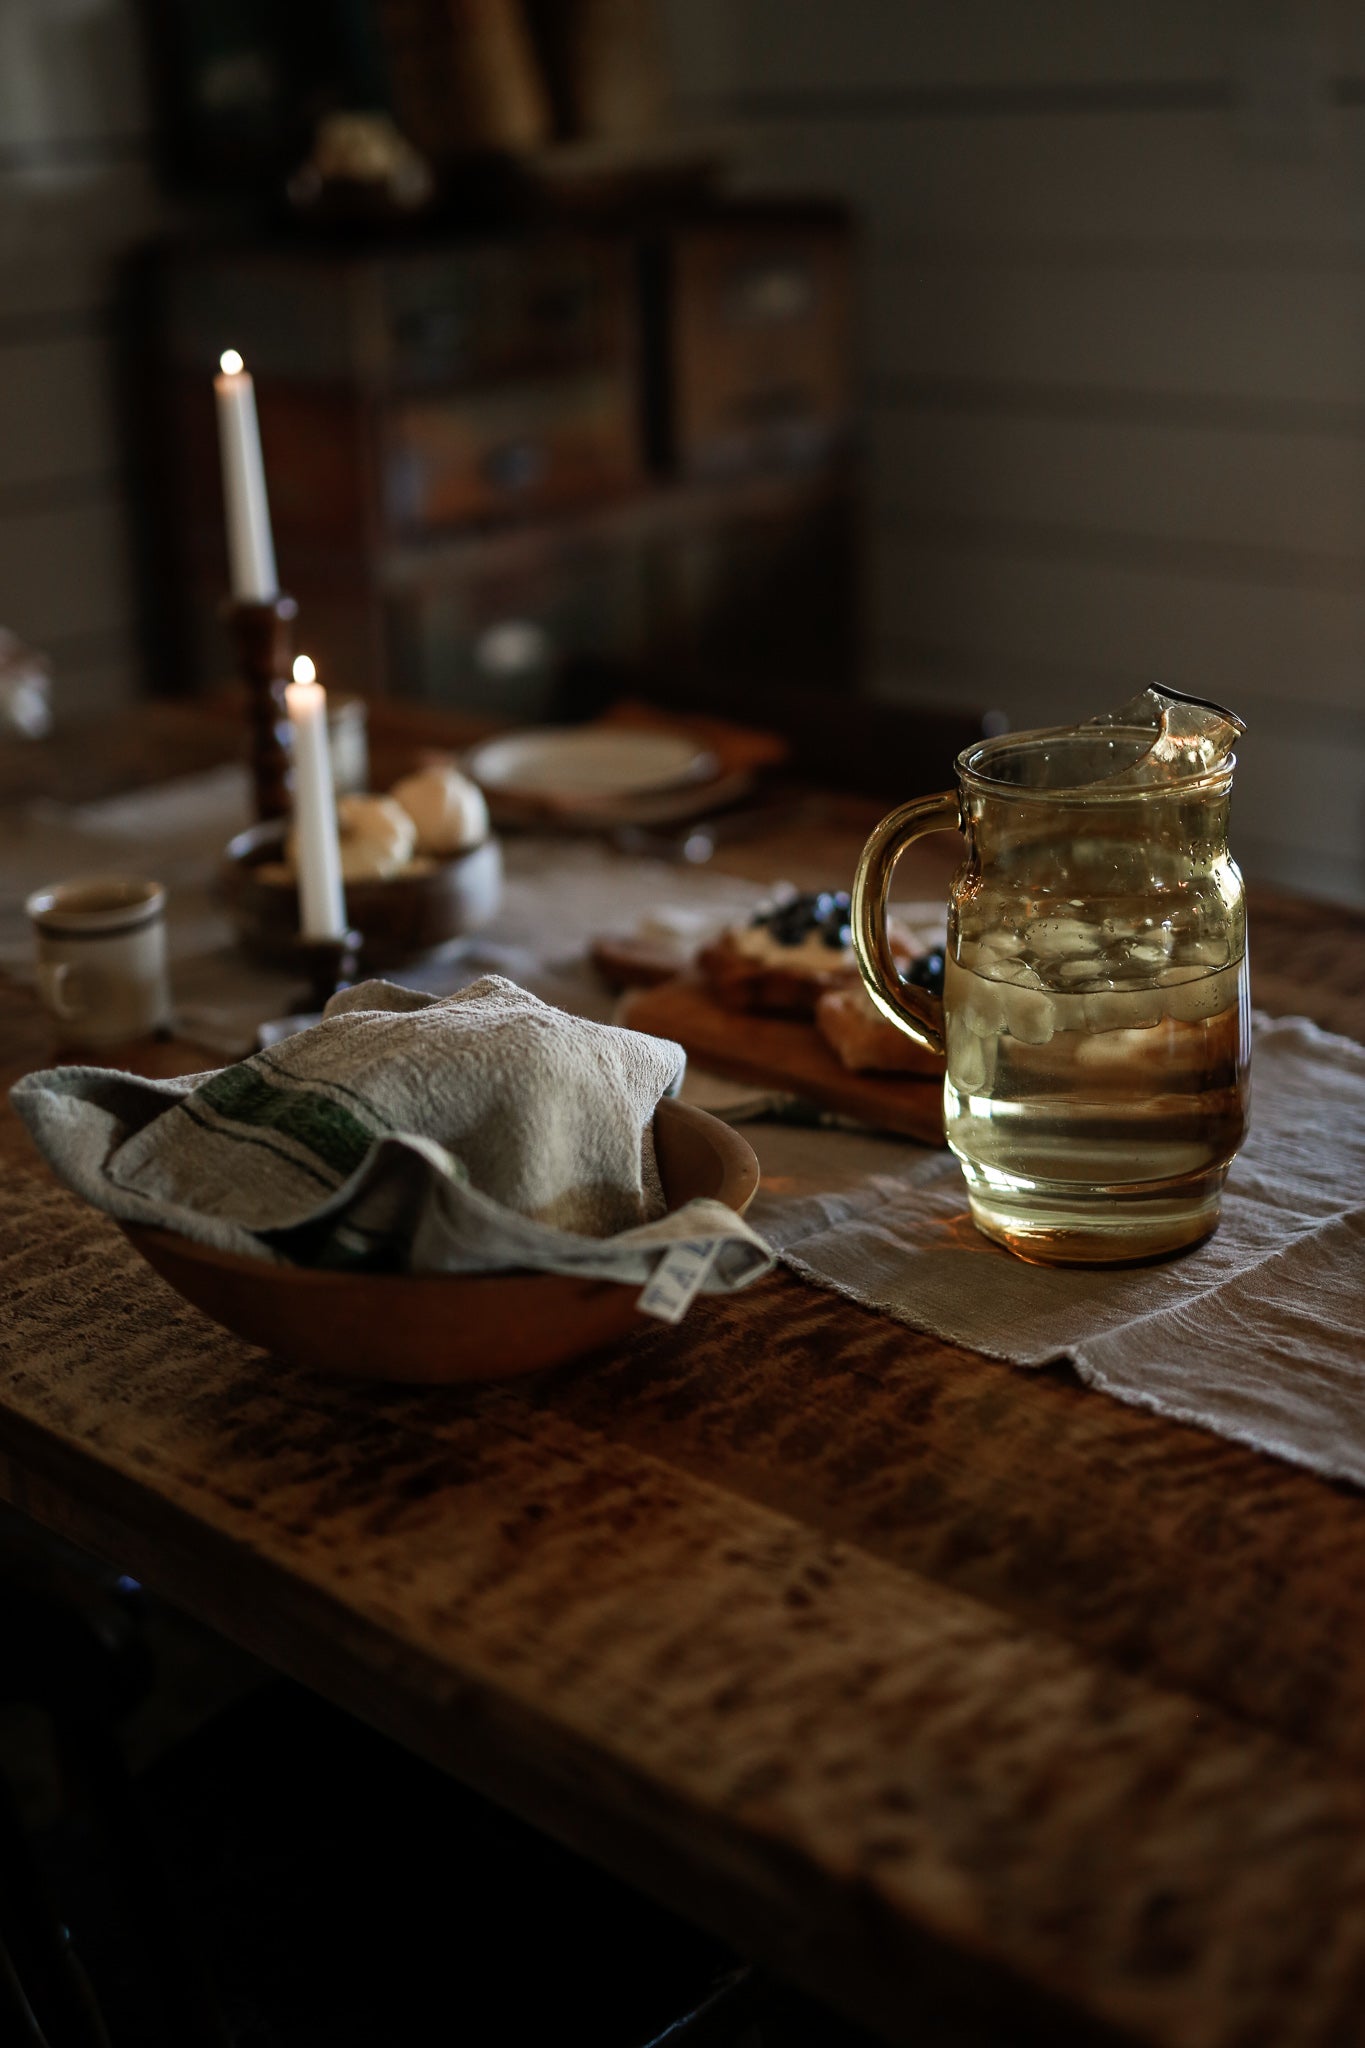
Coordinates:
784 1052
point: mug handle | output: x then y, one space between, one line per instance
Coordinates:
914 1010
53 978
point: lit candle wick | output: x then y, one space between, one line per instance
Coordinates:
230 363
305 669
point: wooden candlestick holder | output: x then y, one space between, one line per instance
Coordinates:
264 634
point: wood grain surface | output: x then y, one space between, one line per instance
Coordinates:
938 1686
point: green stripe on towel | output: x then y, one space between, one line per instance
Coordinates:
242 1095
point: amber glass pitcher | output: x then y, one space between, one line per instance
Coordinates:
1095 1011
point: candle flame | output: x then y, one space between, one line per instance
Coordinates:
230 363
305 669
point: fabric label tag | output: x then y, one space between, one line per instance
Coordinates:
674 1282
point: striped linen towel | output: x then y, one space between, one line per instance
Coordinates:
485 1131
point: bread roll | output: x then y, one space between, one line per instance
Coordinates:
446 808
377 838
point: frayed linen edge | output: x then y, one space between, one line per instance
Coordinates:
1268 1444
1050 1356
1093 1378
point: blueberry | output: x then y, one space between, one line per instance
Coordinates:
926 972
824 911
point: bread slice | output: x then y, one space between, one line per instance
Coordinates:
849 1021
741 981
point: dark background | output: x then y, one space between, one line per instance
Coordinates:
1111 347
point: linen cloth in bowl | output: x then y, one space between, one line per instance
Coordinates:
482 1132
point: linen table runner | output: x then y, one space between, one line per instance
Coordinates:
1258 1334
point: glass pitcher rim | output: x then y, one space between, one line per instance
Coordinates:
1199 782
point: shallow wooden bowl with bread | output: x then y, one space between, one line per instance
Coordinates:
400 917
443 1328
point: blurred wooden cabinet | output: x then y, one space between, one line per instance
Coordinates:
491 461
748 357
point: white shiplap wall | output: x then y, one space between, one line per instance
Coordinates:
75 191
1113 340
1113 345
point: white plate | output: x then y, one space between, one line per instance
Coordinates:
587 764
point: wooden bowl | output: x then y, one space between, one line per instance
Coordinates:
441 1328
398 919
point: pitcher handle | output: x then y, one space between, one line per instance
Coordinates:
915 1010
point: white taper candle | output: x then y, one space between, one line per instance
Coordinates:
322 902
251 546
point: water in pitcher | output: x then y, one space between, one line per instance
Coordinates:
1097 1062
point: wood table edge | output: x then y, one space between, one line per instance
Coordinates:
597 1808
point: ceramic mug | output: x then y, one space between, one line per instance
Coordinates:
101 944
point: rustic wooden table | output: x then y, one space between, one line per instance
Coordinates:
936 1685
